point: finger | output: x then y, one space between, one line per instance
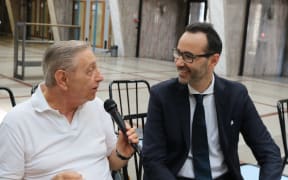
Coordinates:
68 175
127 125
131 131
132 136
134 140
72 177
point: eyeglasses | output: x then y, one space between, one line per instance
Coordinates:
187 56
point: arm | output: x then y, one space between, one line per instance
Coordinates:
154 146
260 141
124 150
11 153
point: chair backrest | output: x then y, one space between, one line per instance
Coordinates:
11 95
33 89
282 108
131 97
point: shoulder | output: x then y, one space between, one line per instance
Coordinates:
169 89
165 85
17 119
95 108
231 85
228 89
18 113
94 105
98 101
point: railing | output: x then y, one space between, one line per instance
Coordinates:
21 32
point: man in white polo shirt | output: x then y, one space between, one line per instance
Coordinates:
63 131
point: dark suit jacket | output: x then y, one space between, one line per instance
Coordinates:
167 130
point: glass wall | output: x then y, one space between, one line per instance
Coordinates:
266 37
38 9
99 26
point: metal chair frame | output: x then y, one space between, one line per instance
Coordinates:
135 118
11 95
282 108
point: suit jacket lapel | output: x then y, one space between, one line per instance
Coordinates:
221 109
183 109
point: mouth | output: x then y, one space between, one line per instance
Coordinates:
183 72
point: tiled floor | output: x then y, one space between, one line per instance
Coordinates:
265 91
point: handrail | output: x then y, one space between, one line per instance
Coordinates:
46 24
22 62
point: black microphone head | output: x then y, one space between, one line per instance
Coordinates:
109 104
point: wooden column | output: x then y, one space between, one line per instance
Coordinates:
53 20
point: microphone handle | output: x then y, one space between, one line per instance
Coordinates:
121 125
136 148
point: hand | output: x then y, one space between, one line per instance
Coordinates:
68 175
123 143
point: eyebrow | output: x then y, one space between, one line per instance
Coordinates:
93 63
185 52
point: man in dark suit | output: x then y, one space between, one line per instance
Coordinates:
169 149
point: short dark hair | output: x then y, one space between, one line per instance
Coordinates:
214 42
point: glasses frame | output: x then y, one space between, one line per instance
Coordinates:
189 57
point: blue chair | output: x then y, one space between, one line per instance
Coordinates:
251 172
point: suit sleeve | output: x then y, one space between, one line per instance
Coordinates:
154 145
260 141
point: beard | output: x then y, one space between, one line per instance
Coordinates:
191 76
182 80
186 75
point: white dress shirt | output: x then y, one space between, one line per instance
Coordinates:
218 167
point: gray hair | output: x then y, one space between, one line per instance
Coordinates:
60 56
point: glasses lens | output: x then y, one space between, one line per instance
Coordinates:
176 53
188 57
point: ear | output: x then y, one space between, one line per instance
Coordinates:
214 59
61 79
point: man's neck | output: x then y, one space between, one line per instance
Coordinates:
59 101
202 84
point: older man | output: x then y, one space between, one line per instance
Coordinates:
63 131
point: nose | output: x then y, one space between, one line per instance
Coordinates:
179 62
98 76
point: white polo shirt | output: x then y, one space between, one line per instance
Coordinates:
37 142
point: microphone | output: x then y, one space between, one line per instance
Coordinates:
111 107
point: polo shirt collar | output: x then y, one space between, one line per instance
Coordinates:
39 103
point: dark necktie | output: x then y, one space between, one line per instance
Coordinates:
200 148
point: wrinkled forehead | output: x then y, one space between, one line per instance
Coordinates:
85 58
